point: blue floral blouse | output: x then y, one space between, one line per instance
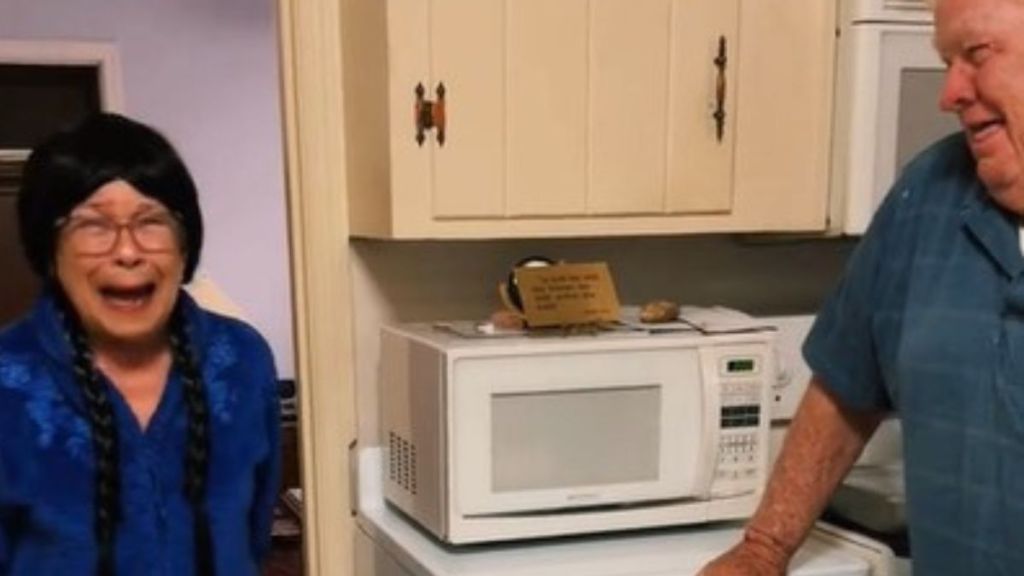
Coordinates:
47 473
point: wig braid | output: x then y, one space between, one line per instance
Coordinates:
104 439
197 451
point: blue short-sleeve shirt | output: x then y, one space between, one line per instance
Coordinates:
929 321
47 476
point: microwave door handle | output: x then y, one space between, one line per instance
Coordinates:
711 419
713 434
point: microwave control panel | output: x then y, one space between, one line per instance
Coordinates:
741 436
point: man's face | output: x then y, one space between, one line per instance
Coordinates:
982 43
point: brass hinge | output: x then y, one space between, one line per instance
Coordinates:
429 114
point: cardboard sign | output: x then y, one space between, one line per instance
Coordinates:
567 294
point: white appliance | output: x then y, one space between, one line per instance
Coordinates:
511 438
887 92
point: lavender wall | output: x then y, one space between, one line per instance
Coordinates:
204 72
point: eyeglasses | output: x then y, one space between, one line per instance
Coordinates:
97 235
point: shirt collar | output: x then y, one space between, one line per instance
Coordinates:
995 230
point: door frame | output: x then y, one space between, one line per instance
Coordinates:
101 55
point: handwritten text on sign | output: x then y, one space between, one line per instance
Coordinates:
567 294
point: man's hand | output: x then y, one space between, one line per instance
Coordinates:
751 557
823 442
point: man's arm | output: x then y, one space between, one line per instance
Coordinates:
823 442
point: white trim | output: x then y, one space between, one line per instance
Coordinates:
102 55
314 121
14 155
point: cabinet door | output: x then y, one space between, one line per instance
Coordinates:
467 56
546 123
515 88
629 69
582 107
703 105
654 91
785 115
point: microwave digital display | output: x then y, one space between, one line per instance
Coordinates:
739 366
581 431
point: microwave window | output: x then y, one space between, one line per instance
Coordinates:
599 436
920 120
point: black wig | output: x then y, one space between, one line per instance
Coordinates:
67 168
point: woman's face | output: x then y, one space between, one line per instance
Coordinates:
120 260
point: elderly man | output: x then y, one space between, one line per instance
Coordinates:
928 322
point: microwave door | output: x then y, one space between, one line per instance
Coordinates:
576 430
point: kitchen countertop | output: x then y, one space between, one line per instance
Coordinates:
661 552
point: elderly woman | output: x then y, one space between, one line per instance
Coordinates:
138 432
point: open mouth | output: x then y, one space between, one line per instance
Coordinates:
128 298
981 130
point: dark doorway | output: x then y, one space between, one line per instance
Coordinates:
35 100
19 285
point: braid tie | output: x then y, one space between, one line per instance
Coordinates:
197 451
103 427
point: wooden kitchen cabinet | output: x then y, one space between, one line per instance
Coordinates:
784 129
583 117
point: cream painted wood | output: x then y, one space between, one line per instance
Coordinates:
366 96
786 67
582 124
701 166
469 170
629 106
315 153
406 31
546 120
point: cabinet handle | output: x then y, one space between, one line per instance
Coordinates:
721 60
429 114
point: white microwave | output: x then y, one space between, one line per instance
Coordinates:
887 102
523 437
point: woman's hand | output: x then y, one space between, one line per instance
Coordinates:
745 559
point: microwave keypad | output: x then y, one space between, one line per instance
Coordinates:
740 416
741 406
748 416
737 457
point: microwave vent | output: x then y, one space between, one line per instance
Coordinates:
402 462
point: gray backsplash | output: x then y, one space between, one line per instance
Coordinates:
762 275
